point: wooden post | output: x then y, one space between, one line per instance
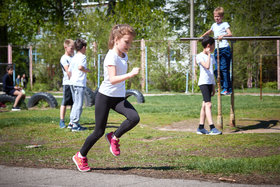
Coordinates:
143 65
30 67
219 117
94 50
260 77
168 57
10 51
232 115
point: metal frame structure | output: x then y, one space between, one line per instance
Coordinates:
232 40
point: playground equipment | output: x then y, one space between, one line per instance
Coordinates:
233 40
42 96
139 96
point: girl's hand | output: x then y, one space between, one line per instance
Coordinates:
134 71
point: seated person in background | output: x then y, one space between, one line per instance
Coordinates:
10 89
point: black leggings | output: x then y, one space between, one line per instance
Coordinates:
103 104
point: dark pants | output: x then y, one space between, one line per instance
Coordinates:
225 58
103 104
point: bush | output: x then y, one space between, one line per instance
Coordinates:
40 87
272 85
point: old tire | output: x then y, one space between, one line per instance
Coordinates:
89 97
139 96
49 98
7 98
11 99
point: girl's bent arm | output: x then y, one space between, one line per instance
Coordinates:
114 78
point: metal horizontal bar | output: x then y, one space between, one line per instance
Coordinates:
240 38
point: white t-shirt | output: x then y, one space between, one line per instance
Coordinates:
220 29
78 77
106 88
206 75
65 60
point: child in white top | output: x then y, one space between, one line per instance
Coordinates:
65 61
78 79
111 95
221 29
206 84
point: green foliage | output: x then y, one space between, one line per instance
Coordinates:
272 85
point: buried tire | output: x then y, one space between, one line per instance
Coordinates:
139 96
90 97
42 96
7 98
11 99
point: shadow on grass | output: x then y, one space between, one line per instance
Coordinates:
261 125
165 168
91 126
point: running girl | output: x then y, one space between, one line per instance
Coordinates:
111 95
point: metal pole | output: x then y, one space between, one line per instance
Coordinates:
219 117
191 43
240 38
146 66
278 64
232 115
260 77
142 65
191 17
30 67
193 72
187 81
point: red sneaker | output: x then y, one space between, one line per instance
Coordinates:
81 163
114 144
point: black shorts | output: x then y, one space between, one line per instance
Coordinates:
67 96
206 90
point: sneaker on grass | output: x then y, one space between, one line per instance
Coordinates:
114 144
78 128
70 126
81 163
15 108
214 131
62 124
201 131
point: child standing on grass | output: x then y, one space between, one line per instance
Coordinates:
111 95
10 89
78 69
221 29
67 95
206 84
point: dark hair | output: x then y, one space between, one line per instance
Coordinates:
207 40
118 31
9 67
79 44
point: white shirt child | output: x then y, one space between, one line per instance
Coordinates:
206 75
65 60
220 29
106 88
78 77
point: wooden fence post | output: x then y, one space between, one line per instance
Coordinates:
232 115
219 117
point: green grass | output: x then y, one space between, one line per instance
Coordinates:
145 146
